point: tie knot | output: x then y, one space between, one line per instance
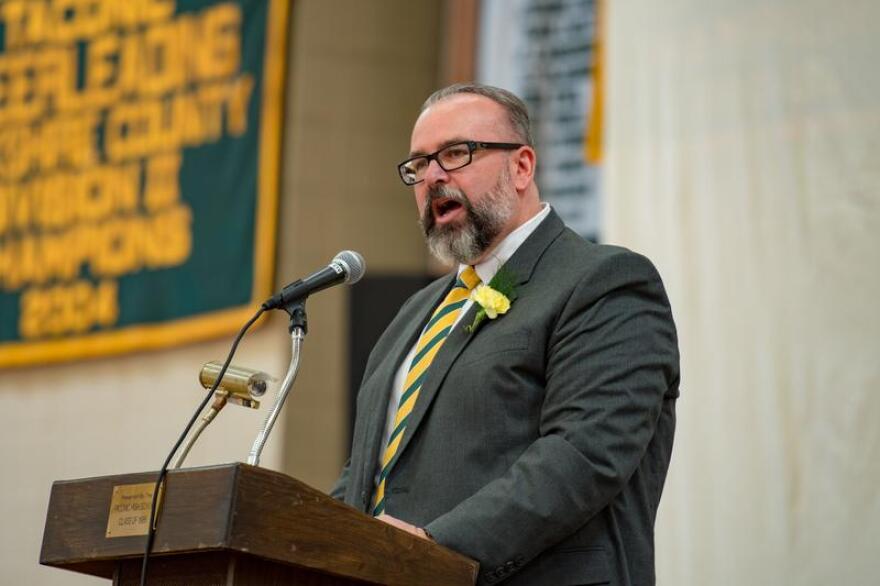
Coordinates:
468 278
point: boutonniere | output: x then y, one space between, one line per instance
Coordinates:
495 298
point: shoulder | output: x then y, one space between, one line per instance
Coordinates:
572 259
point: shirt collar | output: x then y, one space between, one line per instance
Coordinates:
486 270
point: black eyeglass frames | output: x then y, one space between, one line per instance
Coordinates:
450 158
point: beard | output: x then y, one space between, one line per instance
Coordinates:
468 240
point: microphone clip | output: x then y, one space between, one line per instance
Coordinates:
296 309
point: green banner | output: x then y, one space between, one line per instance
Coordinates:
139 154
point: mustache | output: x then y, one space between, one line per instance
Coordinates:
427 220
437 192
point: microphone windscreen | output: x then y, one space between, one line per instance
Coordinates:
354 264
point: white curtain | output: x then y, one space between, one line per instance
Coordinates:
743 157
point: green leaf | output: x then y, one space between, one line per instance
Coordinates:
504 282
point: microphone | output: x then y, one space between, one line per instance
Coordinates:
346 267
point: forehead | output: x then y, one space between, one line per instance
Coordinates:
460 117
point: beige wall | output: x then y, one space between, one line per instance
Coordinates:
358 72
743 159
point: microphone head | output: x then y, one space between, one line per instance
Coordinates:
353 264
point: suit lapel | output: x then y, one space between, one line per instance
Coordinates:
525 259
380 383
522 264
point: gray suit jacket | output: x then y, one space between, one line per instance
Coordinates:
539 443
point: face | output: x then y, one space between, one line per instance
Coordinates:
474 227
466 212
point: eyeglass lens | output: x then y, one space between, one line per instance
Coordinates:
450 158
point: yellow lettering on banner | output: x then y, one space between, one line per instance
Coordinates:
141 83
18 100
29 22
21 208
65 142
14 163
29 78
7 265
168 239
60 257
58 78
57 200
20 265
219 39
131 130
104 191
75 307
78 19
52 196
39 259
52 199
124 245
34 313
26 22
8 201
117 247
162 65
206 107
6 195
237 107
162 187
58 142
47 198
128 14
102 73
140 129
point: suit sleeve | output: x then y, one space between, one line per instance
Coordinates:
338 490
611 356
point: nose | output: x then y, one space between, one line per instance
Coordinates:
435 174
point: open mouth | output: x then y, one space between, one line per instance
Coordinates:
445 209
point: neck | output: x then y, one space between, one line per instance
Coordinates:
523 215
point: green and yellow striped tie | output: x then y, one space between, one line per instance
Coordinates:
429 344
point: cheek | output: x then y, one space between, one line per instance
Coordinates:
421 196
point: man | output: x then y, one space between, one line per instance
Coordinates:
536 442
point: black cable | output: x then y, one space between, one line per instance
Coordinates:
151 533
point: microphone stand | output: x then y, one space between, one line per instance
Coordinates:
298 328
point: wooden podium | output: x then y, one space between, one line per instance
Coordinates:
235 524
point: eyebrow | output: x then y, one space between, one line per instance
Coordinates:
443 145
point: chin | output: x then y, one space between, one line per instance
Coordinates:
454 244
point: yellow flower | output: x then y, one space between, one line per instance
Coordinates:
492 302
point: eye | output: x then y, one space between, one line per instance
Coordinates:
415 166
455 153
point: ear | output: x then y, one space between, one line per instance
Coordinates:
522 171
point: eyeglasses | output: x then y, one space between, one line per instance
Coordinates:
450 158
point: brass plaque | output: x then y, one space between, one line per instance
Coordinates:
130 510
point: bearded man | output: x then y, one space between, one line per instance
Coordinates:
519 411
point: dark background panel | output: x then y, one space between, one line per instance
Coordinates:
373 303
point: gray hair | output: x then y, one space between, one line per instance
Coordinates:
517 113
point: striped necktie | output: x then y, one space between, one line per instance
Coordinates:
429 344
